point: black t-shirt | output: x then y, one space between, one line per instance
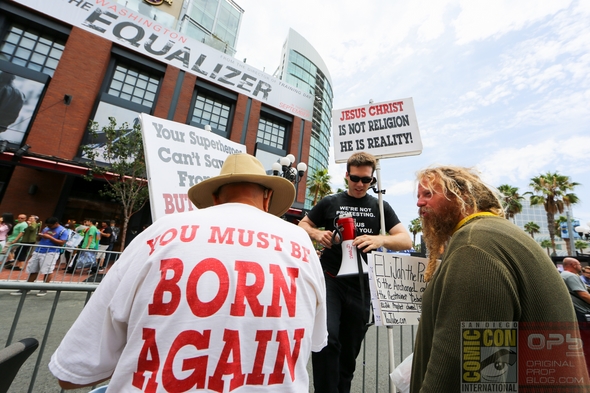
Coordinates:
106 240
365 212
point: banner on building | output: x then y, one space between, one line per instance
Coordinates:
139 33
388 129
179 156
20 94
397 284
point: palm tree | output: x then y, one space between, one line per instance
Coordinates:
581 245
546 244
415 228
510 200
553 191
318 184
532 228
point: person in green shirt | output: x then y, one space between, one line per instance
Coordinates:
29 237
87 259
16 237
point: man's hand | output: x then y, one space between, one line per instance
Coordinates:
368 243
322 237
397 240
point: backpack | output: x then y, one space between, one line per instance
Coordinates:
74 239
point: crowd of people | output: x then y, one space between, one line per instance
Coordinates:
231 297
28 244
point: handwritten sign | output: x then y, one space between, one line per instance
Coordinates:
397 284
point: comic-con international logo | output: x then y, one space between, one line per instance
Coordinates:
488 356
158 2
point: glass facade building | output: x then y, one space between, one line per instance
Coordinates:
301 66
213 22
538 215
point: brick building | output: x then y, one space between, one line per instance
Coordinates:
77 61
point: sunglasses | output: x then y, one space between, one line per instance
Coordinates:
364 179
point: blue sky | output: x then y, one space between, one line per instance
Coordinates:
503 86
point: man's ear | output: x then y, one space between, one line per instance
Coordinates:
216 200
267 196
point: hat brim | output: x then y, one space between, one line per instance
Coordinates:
201 194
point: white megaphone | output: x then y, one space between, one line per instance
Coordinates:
346 228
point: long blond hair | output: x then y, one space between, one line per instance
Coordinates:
465 187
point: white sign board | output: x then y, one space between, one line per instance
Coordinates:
139 33
177 157
397 284
388 129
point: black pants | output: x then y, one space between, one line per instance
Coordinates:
333 366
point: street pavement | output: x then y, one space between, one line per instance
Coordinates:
372 373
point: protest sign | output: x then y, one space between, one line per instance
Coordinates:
178 156
397 284
388 129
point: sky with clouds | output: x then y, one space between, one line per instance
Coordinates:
503 86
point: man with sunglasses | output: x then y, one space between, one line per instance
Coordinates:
347 301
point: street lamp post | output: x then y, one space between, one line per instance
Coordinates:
284 168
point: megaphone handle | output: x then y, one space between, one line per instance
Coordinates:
337 231
359 261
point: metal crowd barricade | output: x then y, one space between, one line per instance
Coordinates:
48 318
68 268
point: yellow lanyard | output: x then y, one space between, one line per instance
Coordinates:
471 217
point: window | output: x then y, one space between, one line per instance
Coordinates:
133 85
271 132
272 136
213 106
32 48
211 111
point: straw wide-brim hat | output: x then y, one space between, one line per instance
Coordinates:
244 168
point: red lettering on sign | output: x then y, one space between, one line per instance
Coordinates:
148 361
224 367
199 308
216 236
256 377
245 242
183 237
197 364
279 285
299 252
283 353
167 285
278 240
262 240
152 244
168 236
248 292
176 203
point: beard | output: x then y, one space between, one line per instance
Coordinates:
437 229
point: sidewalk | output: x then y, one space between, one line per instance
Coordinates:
59 275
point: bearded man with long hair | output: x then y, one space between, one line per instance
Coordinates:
490 271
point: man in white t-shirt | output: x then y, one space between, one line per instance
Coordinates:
224 298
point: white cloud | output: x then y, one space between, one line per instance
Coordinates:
502 85
518 165
479 20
